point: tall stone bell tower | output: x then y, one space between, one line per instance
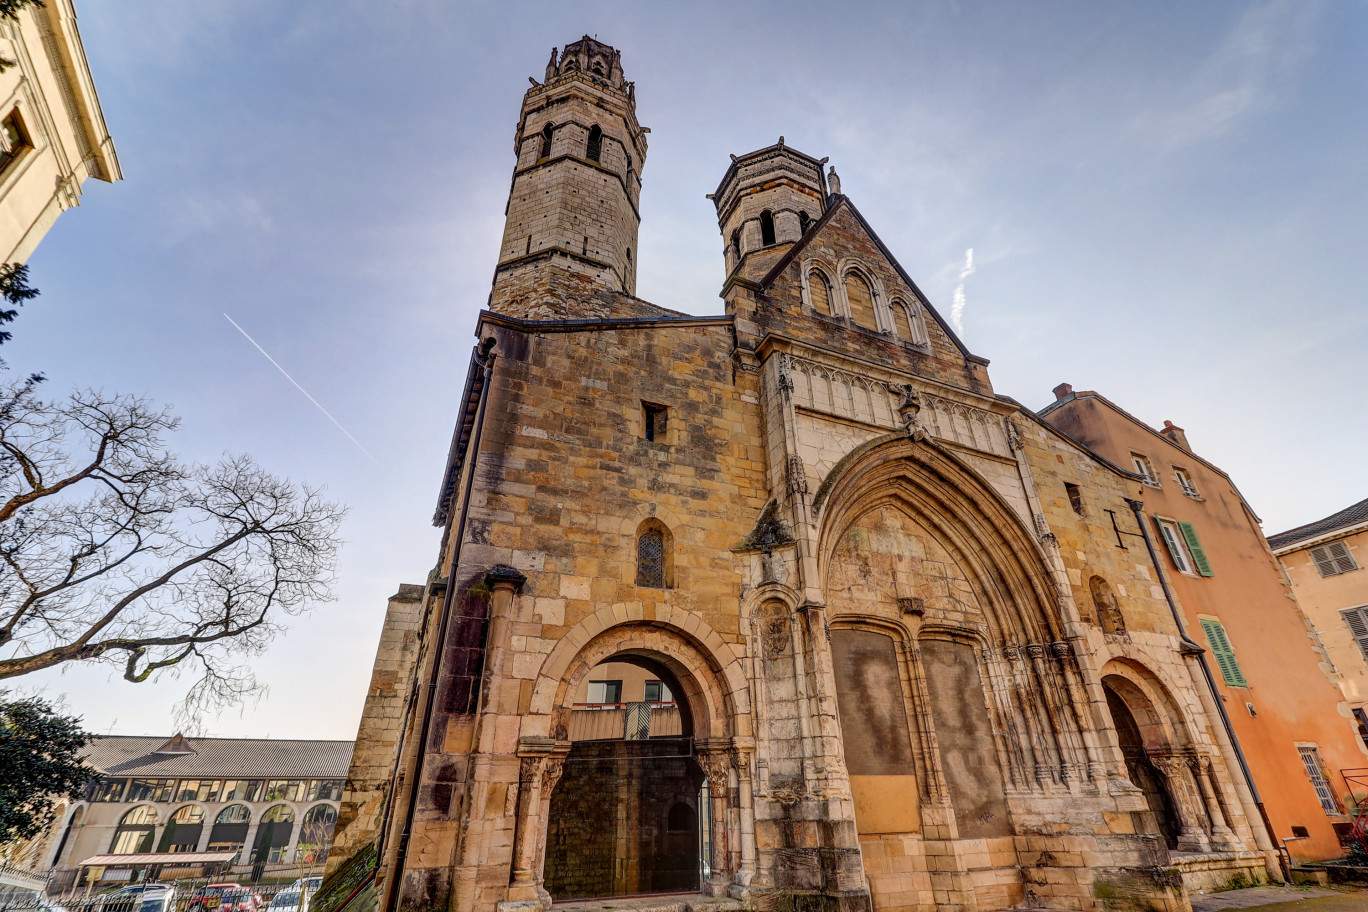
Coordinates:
573 213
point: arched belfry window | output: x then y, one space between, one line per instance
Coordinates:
736 245
655 555
861 299
803 221
594 150
548 132
820 293
766 228
902 324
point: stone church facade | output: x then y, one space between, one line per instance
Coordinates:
904 669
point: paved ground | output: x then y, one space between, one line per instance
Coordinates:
1284 899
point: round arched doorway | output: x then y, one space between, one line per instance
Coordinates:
625 818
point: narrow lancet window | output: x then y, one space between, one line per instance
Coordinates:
766 228
548 132
595 147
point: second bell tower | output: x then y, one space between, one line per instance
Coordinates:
573 213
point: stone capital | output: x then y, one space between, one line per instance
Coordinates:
502 576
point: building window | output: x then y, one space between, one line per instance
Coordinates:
1333 559
1311 760
324 790
901 324
766 228
273 834
1173 540
861 299
655 555
135 831
1184 547
284 790
1185 482
804 220
1222 652
241 790
656 420
14 140
651 560
594 148
657 692
105 790
736 246
182 833
605 692
1357 619
1075 497
150 790
820 293
1144 469
548 133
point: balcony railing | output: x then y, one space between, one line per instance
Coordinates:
637 721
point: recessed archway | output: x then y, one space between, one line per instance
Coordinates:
624 816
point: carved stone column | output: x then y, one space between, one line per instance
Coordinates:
1222 837
716 762
540 765
1192 836
741 759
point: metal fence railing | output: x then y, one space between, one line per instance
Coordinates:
78 890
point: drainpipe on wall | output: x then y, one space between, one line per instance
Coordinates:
1214 705
484 357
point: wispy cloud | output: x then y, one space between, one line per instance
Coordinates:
287 376
957 307
1246 75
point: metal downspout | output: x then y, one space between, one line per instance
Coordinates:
1192 649
484 349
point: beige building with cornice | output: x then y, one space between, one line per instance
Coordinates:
52 133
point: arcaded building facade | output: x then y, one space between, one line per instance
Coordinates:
886 663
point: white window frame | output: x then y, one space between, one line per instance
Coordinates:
1185 482
1177 547
1336 561
1145 469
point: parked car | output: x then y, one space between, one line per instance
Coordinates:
290 900
228 897
140 898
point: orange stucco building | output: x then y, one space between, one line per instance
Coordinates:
1287 712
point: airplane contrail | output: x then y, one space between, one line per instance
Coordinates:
302 390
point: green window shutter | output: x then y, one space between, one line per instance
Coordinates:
1223 653
1195 547
1358 626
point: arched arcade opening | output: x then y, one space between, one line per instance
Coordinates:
625 815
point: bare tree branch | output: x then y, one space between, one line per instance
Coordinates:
112 550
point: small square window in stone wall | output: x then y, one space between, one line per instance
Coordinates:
651 560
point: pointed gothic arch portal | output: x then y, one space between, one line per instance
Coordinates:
624 816
935 569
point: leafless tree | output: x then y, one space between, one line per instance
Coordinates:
112 550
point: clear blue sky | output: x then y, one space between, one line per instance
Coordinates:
1165 203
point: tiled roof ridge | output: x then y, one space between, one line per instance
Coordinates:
1349 516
